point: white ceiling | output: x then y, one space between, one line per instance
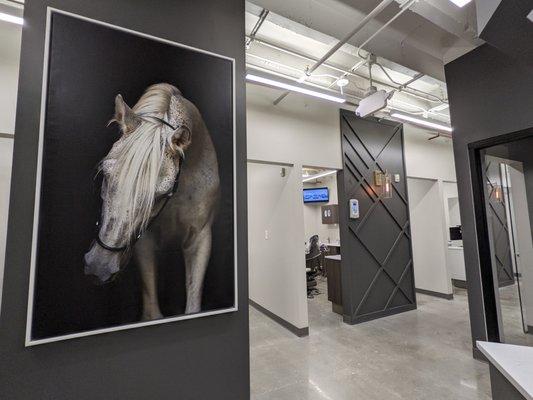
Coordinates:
430 34
296 31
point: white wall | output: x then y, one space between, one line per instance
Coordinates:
300 130
276 249
9 70
313 216
9 66
6 151
432 159
428 231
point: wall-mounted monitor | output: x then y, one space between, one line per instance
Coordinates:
316 195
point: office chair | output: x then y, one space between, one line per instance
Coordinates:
312 265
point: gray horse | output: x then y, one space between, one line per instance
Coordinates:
143 207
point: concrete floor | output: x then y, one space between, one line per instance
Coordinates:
422 354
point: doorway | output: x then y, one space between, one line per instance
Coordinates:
503 197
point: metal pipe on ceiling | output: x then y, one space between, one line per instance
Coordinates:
389 109
379 8
404 86
403 8
355 98
13 3
257 26
347 72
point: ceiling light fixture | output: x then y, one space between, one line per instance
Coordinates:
11 18
422 122
320 175
460 3
293 88
342 82
441 107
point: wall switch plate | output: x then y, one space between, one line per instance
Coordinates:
397 178
266 234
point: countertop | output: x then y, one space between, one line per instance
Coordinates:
335 257
514 362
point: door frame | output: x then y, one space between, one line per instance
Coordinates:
486 267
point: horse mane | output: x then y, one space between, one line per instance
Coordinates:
139 160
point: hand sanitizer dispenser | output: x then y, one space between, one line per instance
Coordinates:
354 208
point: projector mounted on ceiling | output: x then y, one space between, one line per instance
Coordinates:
374 102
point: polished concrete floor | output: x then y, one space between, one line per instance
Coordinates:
422 354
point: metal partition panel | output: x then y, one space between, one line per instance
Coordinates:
377 266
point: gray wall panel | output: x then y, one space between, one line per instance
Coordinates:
377 269
205 358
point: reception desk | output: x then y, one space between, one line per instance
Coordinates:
333 271
511 370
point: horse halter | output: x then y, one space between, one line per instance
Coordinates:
167 196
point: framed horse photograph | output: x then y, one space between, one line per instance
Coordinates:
134 220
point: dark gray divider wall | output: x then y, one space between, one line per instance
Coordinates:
205 358
490 95
377 265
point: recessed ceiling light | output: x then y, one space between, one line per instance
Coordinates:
11 18
460 3
342 82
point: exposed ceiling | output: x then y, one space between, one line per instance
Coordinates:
296 33
430 34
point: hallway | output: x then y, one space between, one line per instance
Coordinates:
422 354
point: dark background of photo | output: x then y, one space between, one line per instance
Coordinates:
89 65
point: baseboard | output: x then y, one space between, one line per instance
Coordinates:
379 314
447 296
300 332
458 283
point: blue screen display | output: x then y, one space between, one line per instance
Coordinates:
318 195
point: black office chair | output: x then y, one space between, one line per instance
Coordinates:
313 265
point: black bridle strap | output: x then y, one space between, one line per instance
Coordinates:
161 120
137 237
109 248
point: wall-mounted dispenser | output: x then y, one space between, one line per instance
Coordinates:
354 208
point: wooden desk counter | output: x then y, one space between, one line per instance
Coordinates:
333 271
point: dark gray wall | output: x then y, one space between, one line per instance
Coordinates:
510 31
490 95
205 358
377 265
